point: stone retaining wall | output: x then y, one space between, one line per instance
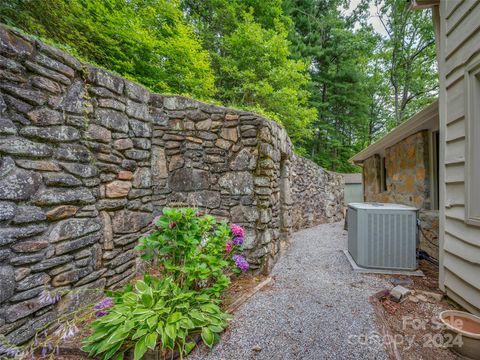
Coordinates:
88 158
317 194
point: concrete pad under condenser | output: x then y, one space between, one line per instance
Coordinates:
359 269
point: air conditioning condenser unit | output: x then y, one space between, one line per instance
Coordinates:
383 236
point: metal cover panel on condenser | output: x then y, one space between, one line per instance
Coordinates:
383 236
381 206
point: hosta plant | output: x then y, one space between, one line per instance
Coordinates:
155 313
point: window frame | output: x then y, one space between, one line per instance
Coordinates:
472 147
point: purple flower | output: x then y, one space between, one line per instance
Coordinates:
9 350
198 214
172 225
155 219
66 331
241 262
48 297
102 307
237 230
238 240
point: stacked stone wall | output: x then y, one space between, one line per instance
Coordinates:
317 194
87 159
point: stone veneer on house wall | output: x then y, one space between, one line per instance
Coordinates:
407 181
88 158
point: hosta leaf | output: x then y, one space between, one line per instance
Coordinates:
173 318
189 346
152 321
151 340
140 349
139 333
210 308
207 336
170 331
216 328
195 314
141 286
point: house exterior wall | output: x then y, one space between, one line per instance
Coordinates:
458 49
407 169
407 182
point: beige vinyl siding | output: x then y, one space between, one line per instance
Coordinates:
460 253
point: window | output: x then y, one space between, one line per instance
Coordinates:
434 160
383 175
472 163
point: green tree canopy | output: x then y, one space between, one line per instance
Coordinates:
145 40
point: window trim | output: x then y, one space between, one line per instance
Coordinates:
472 111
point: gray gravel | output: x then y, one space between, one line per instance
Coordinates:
317 308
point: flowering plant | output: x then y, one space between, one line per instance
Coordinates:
196 257
196 251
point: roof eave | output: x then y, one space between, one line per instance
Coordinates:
423 4
409 127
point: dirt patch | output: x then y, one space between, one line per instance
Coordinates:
411 329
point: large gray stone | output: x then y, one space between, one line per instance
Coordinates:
61 179
7 127
105 79
204 199
140 128
45 116
188 179
7 210
24 147
59 133
10 234
44 71
32 281
244 160
73 228
237 183
138 111
112 119
242 214
12 44
52 262
84 171
24 308
19 184
74 101
33 97
136 92
7 283
71 245
73 152
142 178
48 197
54 65
27 214
126 221
98 133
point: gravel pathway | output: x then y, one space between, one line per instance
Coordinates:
317 308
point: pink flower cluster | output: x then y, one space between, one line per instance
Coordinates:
238 237
237 230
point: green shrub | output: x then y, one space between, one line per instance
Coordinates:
191 249
155 311
196 257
